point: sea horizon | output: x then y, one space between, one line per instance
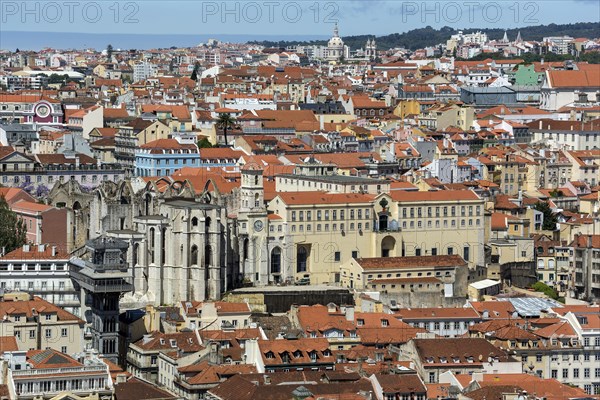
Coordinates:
35 41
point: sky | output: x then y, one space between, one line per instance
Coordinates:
303 18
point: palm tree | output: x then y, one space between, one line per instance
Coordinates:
225 121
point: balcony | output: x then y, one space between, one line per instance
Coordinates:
387 230
59 371
103 285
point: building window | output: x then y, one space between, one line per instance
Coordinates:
302 258
276 260
432 377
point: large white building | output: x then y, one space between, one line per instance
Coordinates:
558 44
40 271
570 88
45 374
143 70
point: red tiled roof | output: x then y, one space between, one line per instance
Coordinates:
441 313
434 195
575 78
37 304
168 144
411 262
8 343
34 253
306 198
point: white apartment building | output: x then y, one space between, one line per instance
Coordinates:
48 374
40 271
143 70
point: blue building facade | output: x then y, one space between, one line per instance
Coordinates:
165 156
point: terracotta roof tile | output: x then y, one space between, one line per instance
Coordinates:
435 195
411 262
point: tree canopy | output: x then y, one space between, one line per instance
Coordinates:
12 229
547 290
550 219
195 72
204 143
428 36
225 121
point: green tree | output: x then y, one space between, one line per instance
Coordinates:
109 52
547 290
549 217
225 121
56 78
204 143
195 72
12 228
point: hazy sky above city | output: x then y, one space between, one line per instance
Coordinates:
302 18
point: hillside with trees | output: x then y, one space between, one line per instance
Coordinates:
428 36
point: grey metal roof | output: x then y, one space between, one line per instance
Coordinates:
532 306
476 89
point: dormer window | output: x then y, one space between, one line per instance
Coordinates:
385 322
297 354
360 322
173 343
270 355
443 360
455 360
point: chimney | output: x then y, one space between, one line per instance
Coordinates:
54 252
41 248
146 338
26 248
540 124
121 378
